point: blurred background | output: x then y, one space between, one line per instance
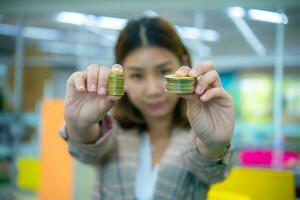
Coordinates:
254 44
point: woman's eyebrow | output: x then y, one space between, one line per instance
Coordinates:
134 68
160 65
167 62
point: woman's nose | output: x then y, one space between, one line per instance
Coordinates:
155 86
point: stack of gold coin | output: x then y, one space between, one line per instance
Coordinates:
116 84
180 85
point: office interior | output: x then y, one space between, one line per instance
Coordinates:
255 46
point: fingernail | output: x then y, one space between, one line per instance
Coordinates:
204 98
92 87
80 88
193 72
102 90
117 68
199 89
180 72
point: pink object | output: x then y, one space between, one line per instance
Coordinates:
264 157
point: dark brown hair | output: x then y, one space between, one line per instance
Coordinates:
154 32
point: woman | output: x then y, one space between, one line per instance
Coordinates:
155 145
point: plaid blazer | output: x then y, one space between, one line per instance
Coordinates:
183 173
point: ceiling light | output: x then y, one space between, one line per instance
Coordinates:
268 16
236 12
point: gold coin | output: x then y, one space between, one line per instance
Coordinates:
116 84
180 85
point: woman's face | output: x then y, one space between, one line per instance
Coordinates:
144 71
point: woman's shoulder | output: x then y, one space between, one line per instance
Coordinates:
181 136
125 136
183 132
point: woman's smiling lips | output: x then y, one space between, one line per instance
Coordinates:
155 105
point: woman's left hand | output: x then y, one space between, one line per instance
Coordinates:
210 110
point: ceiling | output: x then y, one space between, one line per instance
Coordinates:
109 7
231 49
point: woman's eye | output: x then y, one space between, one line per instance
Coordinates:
165 71
136 76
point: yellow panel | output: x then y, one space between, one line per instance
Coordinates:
28 173
221 195
259 184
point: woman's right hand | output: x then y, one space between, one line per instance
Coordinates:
86 99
